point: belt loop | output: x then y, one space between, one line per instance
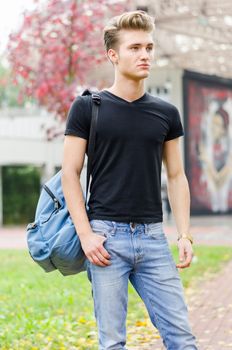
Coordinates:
114 227
146 228
132 227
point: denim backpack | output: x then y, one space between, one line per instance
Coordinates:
52 239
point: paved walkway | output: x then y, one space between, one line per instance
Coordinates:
210 311
208 230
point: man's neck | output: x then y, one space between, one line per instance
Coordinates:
127 89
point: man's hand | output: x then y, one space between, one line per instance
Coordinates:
185 253
92 245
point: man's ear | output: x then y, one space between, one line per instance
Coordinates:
112 56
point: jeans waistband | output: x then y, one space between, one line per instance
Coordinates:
130 226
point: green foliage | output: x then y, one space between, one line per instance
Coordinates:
21 188
207 260
42 311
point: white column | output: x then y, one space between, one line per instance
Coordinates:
49 164
48 170
1 198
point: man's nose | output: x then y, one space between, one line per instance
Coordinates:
145 54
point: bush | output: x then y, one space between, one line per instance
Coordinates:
21 188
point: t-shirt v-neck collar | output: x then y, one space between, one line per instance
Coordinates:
123 100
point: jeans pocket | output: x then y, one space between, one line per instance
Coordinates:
102 227
155 230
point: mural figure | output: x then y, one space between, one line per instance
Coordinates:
215 153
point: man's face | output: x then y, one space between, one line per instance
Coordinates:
135 54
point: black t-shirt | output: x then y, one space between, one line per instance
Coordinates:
126 178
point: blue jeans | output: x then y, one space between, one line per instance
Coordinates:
139 253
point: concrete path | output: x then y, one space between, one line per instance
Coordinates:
207 230
210 230
13 237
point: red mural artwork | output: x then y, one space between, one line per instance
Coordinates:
209 145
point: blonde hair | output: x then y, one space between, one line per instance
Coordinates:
133 20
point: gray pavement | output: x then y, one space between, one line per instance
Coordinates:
206 230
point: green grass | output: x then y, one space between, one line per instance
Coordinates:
208 261
42 311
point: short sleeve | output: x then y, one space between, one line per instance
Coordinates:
78 123
176 128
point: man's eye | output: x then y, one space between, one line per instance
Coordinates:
134 48
150 48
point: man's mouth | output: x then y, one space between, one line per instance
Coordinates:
144 66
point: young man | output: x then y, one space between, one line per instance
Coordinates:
122 234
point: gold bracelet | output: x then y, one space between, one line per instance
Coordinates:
189 237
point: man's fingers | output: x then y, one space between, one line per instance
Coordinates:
182 265
94 249
103 251
189 256
100 256
103 259
185 259
181 254
181 257
97 261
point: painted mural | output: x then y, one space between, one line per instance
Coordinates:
208 141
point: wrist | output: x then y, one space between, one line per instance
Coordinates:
85 234
185 236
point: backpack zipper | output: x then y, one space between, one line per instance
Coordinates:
55 200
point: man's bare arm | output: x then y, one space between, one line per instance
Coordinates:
72 165
179 197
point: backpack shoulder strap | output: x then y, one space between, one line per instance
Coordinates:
96 101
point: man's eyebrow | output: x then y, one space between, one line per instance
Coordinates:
139 44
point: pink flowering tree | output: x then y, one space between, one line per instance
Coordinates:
58 44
